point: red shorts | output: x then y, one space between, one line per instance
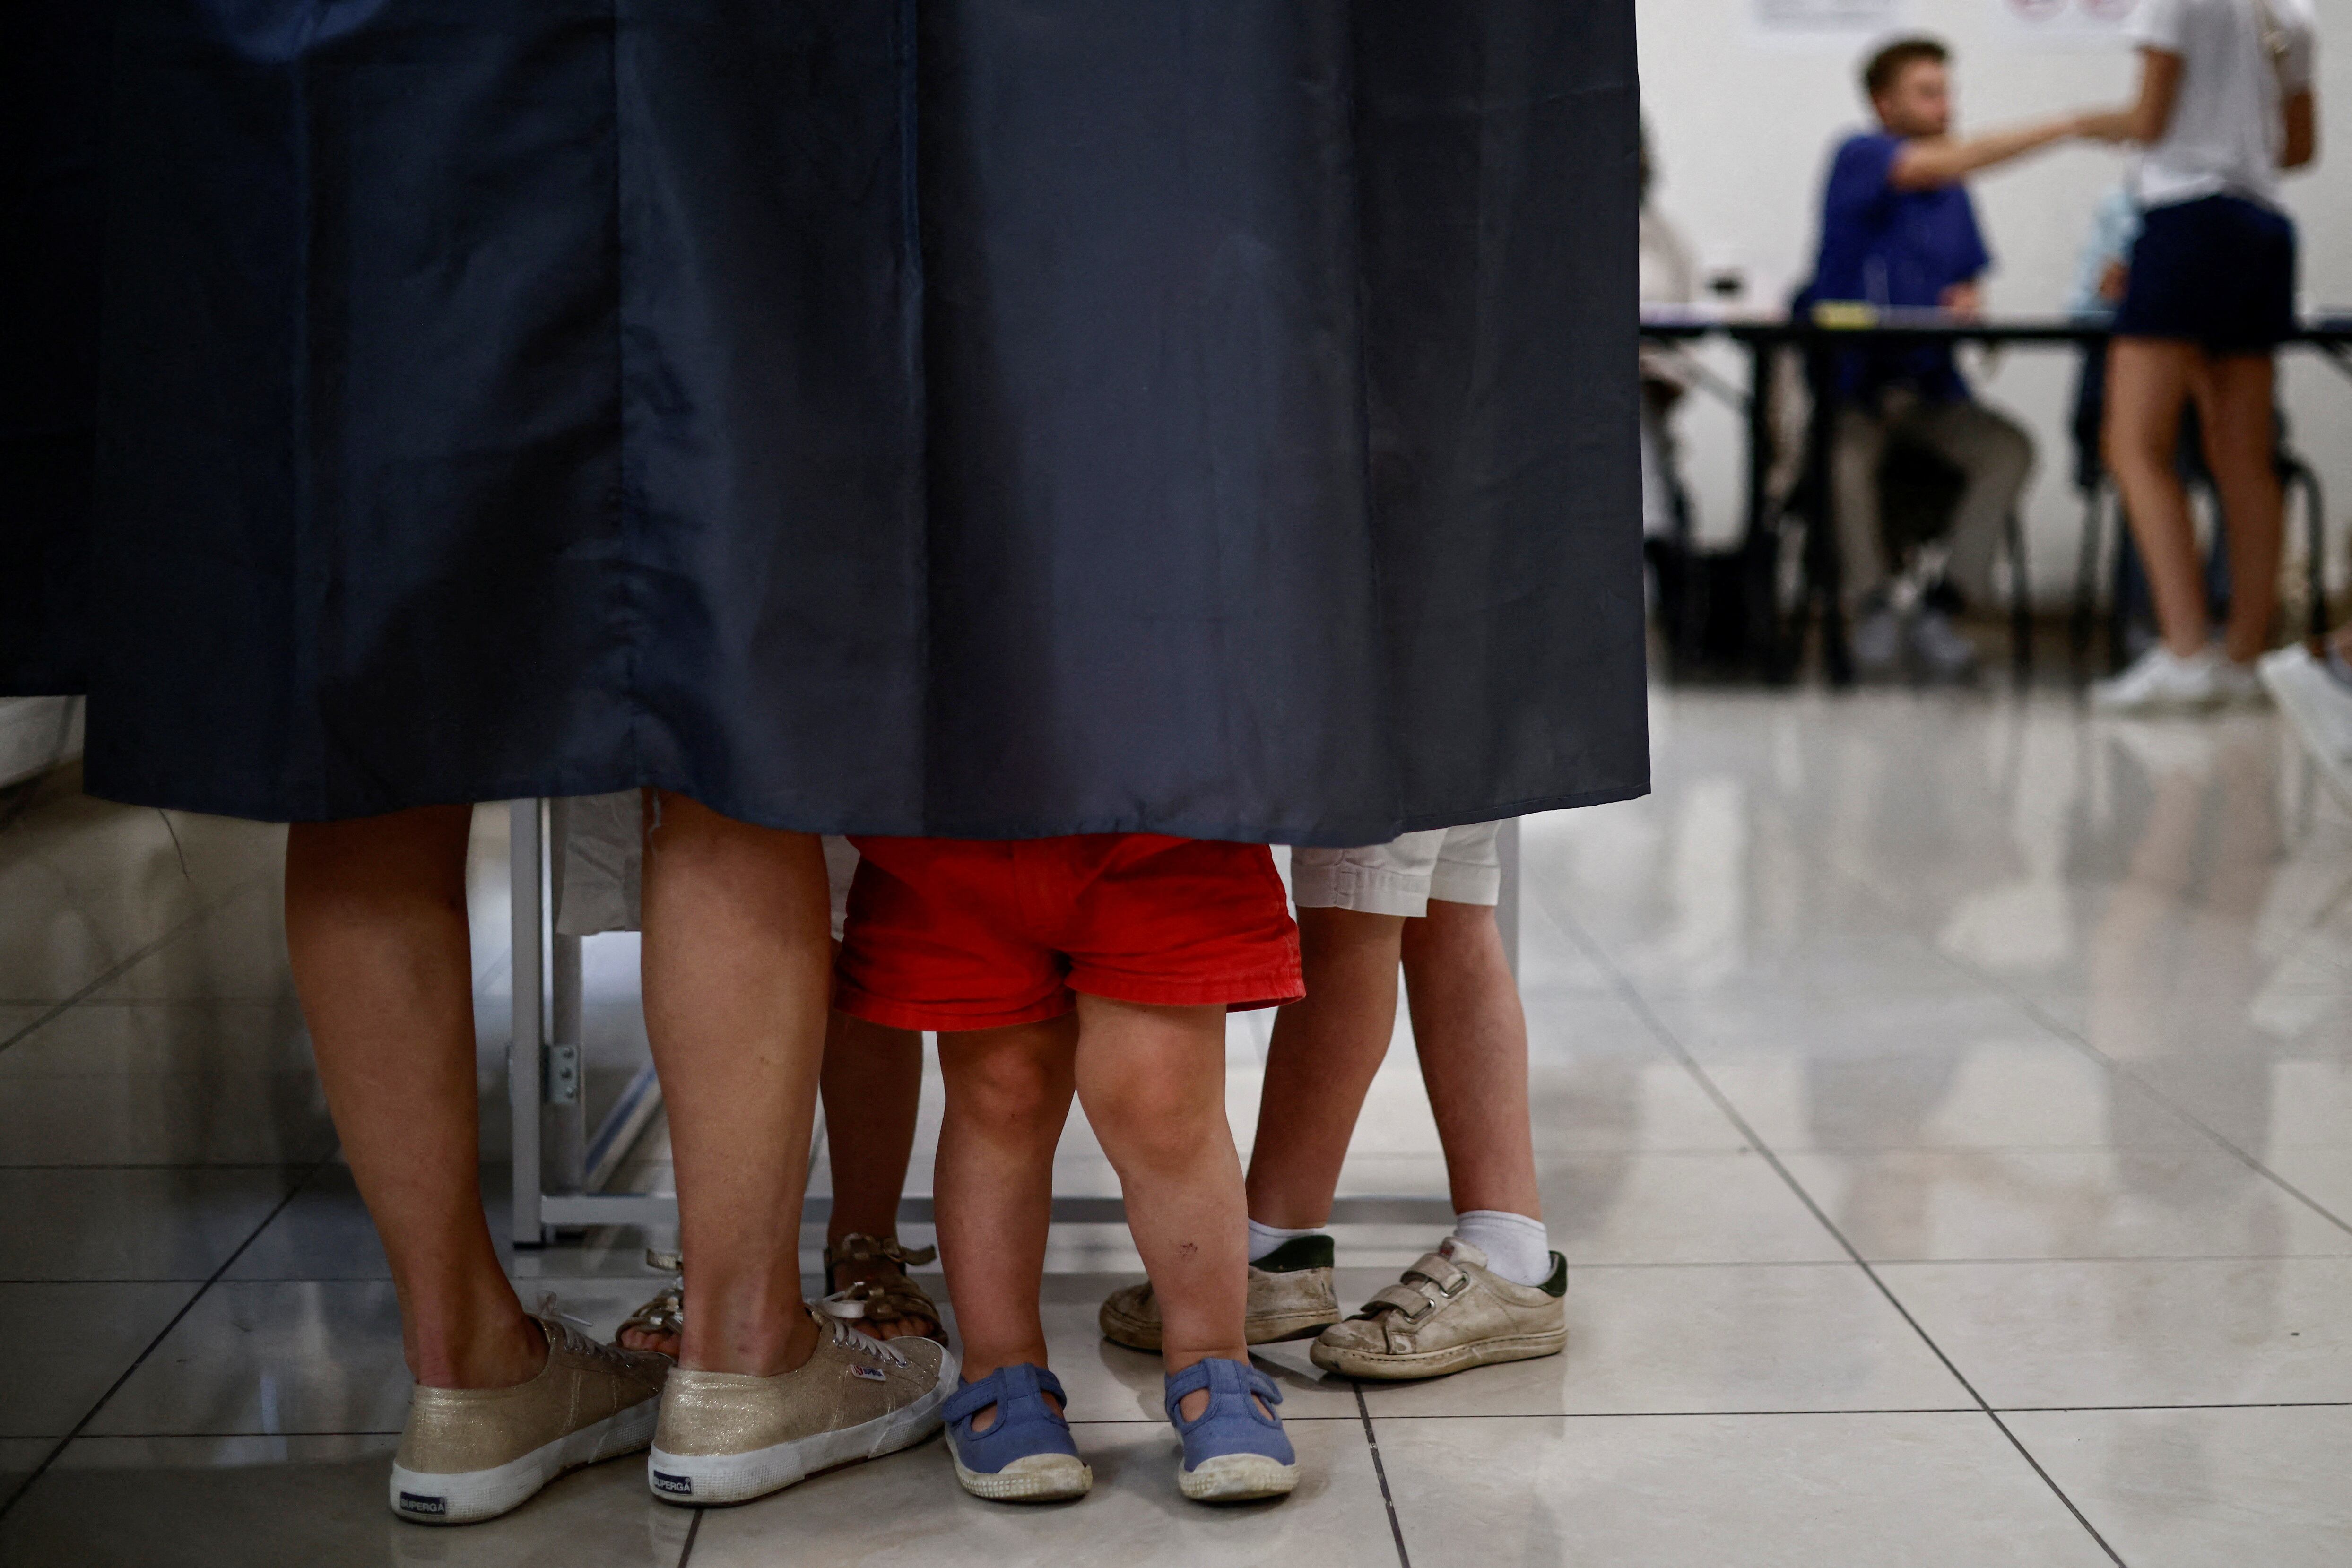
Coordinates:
955 934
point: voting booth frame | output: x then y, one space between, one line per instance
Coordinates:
562 1167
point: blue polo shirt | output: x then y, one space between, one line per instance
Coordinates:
1893 247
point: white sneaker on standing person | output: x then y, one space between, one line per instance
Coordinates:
1492 1289
2225 104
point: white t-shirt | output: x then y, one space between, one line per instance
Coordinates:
2227 124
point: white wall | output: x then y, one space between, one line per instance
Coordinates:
1742 123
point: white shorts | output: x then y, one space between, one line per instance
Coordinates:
1454 865
598 854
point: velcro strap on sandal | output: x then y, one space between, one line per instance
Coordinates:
1001 1388
1201 1375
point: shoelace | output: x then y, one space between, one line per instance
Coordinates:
577 1334
837 1321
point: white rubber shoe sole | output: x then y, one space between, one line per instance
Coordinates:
1035 1478
468 1497
1382 1367
718 1478
1237 1478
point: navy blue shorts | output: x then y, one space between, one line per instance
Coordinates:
2218 272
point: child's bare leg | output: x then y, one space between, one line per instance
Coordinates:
1473 1039
1320 1063
873 1090
1152 1080
1008 1096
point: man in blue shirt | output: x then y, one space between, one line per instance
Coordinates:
1899 232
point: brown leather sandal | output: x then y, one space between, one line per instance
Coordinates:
663 1317
892 1299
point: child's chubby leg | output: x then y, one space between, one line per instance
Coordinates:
1008 1096
1152 1080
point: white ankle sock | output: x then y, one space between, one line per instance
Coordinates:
1264 1239
1517 1248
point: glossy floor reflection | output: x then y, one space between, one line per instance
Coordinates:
1945 1102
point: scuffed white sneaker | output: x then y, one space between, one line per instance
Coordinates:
2318 706
2161 681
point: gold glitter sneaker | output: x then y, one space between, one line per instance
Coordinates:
730 1436
1290 1297
1448 1313
470 1454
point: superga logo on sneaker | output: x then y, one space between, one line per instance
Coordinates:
416 1503
676 1486
871 1374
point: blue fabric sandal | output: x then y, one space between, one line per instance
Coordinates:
1234 1452
1027 1455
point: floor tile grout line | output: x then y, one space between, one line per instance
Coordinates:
139 1360
693 1532
1666 1037
1380 1474
59 1009
2035 1010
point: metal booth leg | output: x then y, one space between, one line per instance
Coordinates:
525 1177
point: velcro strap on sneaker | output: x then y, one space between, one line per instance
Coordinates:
1441 1272
1414 1302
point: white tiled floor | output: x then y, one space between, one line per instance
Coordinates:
1945 1102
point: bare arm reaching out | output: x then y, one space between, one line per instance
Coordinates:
1930 161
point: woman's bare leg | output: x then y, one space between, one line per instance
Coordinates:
375 924
2148 383
872 1086
2241 421
738 968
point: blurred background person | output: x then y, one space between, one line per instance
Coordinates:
1899 231
2225 104
2102 272
1669 280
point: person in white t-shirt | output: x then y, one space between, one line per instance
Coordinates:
2225 105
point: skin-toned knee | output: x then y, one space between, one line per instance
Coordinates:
1007 1089
1153 1122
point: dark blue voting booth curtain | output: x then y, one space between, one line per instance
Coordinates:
978 417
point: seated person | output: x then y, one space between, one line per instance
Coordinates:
1669 276
1899 230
